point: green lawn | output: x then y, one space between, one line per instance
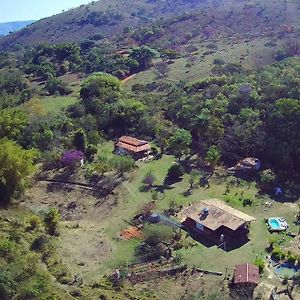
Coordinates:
131 198
56 104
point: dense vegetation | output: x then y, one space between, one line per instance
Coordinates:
213 120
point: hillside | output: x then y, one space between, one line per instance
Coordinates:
163 23
137 140
6 28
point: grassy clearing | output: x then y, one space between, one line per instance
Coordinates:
57 104
251 55
131 198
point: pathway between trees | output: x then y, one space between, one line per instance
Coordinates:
128 78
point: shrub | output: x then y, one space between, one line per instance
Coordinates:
55 85
7 250
51 220
260 263
247 202
90 152
219 61
39 243
278 254
34 222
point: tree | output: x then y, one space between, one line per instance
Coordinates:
213 156
51 220
80 140
162 68
180 142
149 179
260 263
267 179
16 164
163 131
168 55
72 158
55 85
102 86
123 164
193 175
12 123
175 172
144 55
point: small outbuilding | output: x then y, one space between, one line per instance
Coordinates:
246 277
248 164
136 148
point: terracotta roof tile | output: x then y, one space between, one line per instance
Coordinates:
246 273
133 144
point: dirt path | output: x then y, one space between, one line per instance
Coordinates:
128 78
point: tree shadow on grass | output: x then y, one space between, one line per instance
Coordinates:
162 188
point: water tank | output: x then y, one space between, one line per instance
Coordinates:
154 218
205 211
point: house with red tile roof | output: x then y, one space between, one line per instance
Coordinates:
136 148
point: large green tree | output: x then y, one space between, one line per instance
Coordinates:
16 164
179 143
99 85
144 55
12 123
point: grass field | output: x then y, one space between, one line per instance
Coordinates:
131 198
57 104
90 245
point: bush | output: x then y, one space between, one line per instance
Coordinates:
90 152
247 202
278 254
55 85
34 222
39 243
260 263
7 250
51 220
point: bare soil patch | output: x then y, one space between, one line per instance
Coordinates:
130 233
74 203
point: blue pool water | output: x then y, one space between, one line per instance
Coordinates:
275 224
287 270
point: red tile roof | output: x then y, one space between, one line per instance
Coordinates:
133 144
246 273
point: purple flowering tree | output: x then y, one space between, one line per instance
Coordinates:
72 158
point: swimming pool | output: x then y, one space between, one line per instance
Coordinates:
287 270
277 224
